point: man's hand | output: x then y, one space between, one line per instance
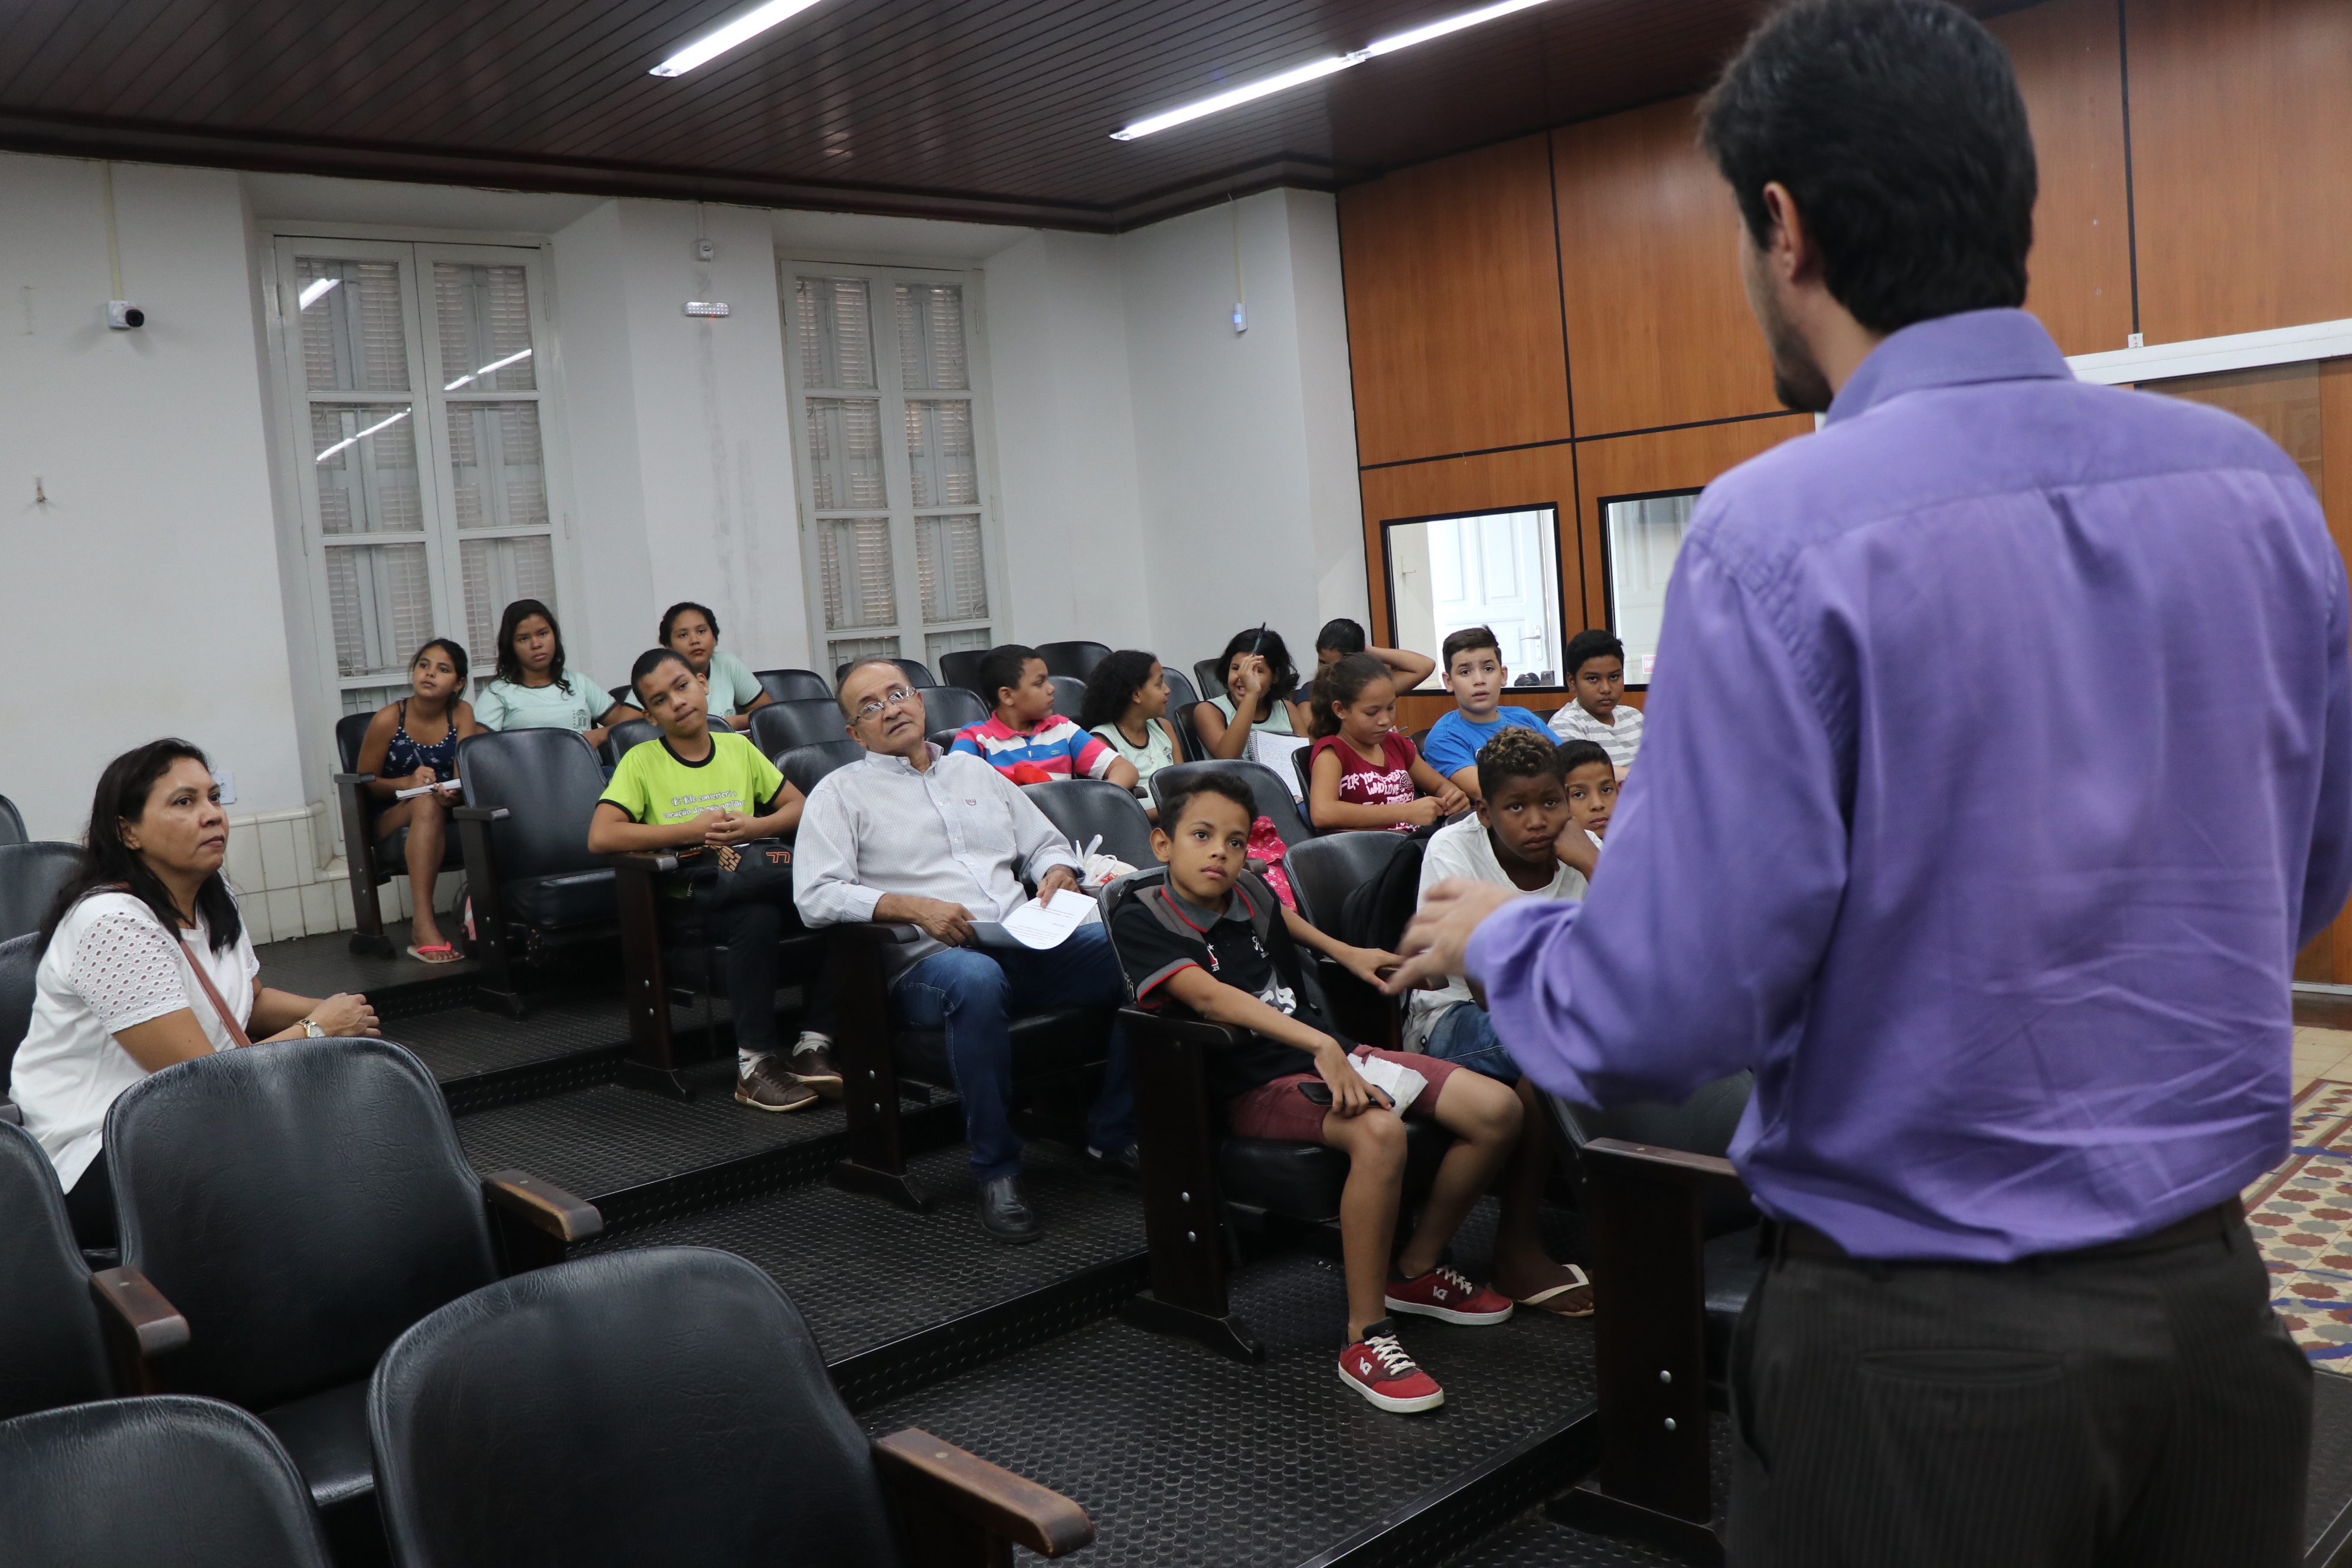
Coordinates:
1060 879
1366 963
1350 1095
726 826
941 920
1576 850
1440 934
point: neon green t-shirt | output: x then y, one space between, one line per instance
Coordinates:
657 788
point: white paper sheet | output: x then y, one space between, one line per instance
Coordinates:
1399 1082
446 787
1036 925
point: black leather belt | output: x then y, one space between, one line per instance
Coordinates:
1795 1238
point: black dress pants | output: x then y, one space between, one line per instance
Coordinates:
2146 1410
750 930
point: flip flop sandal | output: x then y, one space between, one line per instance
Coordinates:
1538 1299
439 953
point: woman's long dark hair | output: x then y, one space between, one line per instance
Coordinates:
1268 646
1337 684
106 861
510 667
1112 685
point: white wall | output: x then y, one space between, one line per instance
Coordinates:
1245 442
148 584
680 432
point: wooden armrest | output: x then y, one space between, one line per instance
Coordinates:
1179 1028
12 1113
1674 1167
134 1309
898 934
543 1205
644 860
480 813
1009 1507
354 778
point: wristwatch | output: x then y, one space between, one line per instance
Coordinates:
310 1027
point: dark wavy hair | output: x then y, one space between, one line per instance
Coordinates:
510 667
1342 636
1112 685
1520 753
1898 128
1338 684
108 862
456 657
670 615
1268 647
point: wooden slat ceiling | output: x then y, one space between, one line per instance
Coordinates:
969 108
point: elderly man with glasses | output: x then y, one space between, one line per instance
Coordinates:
912 834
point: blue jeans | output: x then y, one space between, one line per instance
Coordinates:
973 993
1464 1035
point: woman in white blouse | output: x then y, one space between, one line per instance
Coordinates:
143 964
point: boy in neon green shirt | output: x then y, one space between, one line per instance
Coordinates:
699 788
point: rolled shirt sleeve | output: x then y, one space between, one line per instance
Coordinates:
1691 956
825 888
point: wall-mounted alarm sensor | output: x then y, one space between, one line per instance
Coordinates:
122 315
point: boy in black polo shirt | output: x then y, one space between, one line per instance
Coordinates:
1214 940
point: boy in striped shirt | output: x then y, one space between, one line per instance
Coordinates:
1026 740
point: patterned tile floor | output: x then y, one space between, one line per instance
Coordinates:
2301 1213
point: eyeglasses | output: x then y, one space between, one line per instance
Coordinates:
874 708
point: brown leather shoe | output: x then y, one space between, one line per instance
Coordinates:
816 1067
766 1085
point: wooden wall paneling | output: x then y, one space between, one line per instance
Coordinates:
1534 476
1665 460
2241 163
2328 958
1658 327
2069 61
1452 292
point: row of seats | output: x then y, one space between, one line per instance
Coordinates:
302 1239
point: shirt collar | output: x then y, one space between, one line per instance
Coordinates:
1236 907
1952 351
893 761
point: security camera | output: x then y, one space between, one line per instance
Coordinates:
122 315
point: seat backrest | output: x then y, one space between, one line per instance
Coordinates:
18 965
30 876
953 708
804 722
962 669
1181 701
1324 870
12 823
1209 675
916 676
351 731
1082 808
662 1405
792 685
802 766
1180 691
629 734
165 1482
301 1203
549 781
1069 696
50 1352
1273 797
1075 658
622 694
1301 766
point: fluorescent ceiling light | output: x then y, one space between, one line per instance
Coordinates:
354 440
493 365
1301 75
316 290
741 30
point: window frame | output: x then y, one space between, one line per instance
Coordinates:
1558 565
1609 561
910 631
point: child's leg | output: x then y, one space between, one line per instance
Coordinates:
1522 1267
1374 1144
1484 1117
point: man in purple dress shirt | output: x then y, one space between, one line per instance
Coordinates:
1999 761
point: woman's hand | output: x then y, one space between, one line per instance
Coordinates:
346 1016
595 734
1256 678
1350 1095
1451 800
1424 811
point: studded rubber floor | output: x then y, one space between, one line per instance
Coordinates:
399 985
865 1272
460 1042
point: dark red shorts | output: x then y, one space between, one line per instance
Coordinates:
1277 1110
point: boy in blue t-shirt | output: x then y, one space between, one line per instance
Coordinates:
1476 676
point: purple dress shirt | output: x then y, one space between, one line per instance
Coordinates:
1999 760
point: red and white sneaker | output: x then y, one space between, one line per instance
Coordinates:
1377 1367
1443 1294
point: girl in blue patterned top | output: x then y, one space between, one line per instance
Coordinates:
411 743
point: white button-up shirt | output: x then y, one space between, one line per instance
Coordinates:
960 832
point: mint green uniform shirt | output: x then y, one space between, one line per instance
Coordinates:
733 687
504 705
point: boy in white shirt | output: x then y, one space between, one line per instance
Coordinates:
1525 837
1596 673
